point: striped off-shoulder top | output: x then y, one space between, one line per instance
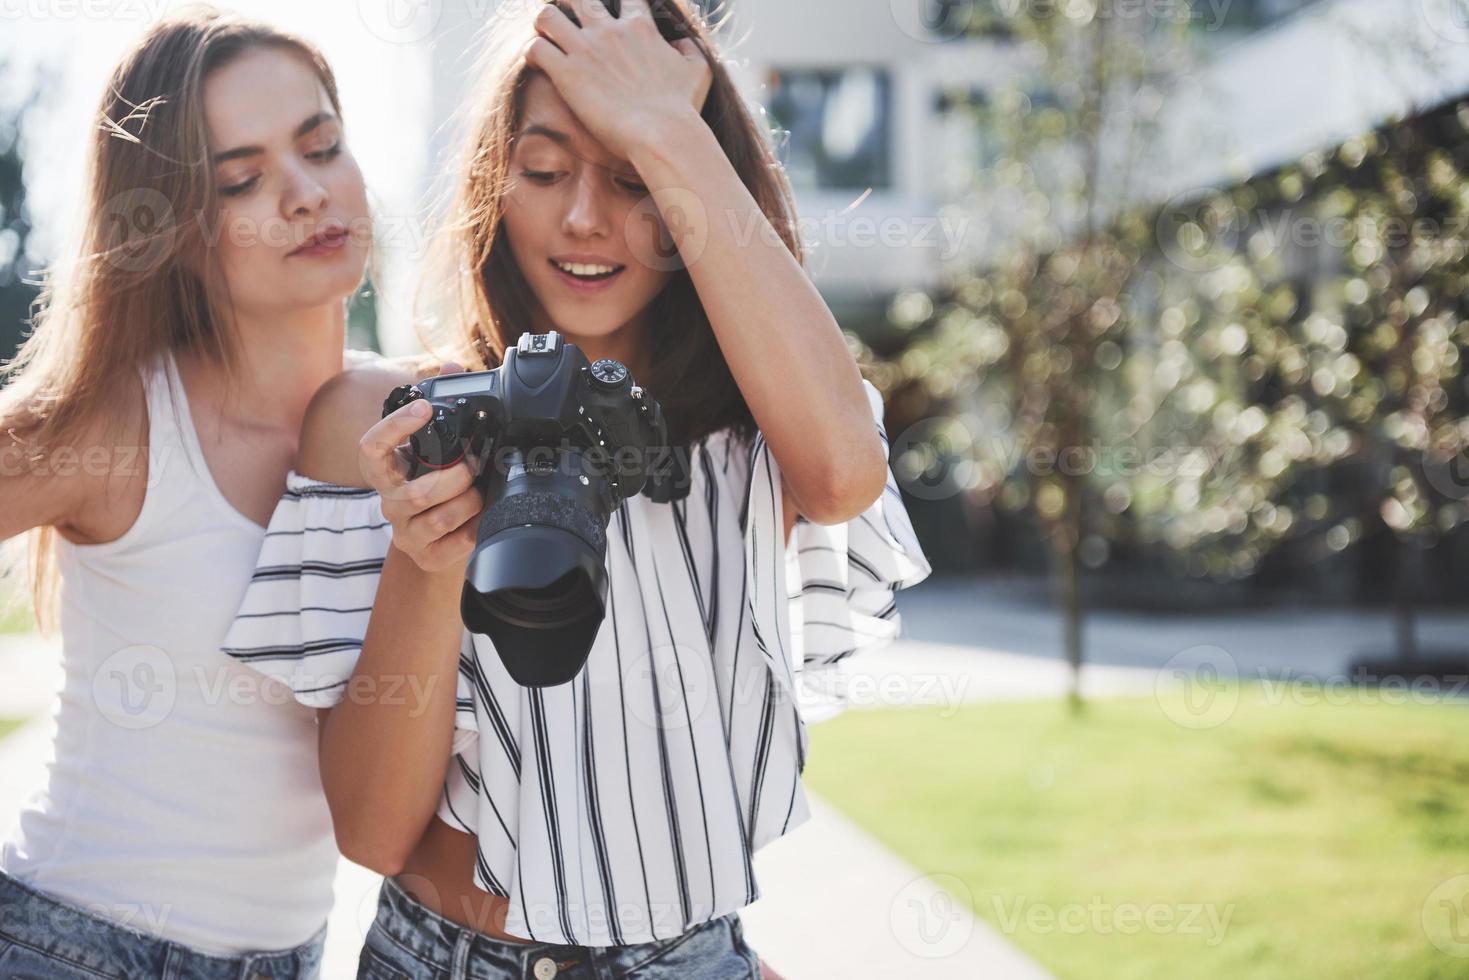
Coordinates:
624 806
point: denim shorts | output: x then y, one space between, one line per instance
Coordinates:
44 938
409 941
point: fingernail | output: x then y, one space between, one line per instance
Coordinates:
420 408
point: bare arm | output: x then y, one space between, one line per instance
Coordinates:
91 487
782 344
384 758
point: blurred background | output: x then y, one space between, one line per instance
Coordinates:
1169 305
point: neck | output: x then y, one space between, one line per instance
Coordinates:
627 344
284 357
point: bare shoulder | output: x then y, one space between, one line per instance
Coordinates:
343 410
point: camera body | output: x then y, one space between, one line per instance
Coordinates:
559 444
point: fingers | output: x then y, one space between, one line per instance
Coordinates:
553 24
377 450
404 501
428 528
453 549
545 56
450 367
588 11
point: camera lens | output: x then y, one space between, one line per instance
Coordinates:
536 584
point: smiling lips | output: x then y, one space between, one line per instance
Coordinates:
325 242
590 275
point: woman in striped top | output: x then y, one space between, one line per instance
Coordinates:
614 189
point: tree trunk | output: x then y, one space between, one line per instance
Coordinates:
1068 537
1404 618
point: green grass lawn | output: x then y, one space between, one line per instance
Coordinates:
1314 832
14 619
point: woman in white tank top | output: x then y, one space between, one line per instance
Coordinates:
151 420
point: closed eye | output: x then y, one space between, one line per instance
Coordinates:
235 190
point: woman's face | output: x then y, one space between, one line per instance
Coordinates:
572 212
293 229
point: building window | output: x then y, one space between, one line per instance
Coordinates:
840 125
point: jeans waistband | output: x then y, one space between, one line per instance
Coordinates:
439 941
57 928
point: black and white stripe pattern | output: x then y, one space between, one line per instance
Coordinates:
624 806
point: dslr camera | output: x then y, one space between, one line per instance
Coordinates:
559 443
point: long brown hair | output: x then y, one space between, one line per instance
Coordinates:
489 302
135 279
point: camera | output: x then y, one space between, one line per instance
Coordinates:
560 443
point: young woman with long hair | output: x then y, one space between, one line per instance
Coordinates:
614 189
148 425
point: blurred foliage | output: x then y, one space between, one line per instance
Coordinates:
1322 322
16 266
1191 379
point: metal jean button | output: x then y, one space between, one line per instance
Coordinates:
545 968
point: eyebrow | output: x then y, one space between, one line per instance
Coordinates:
250 151
536 129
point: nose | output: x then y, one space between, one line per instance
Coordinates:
586 214
304 194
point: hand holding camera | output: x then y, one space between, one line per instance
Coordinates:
433 518
554 444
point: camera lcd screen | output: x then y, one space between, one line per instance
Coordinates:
469 384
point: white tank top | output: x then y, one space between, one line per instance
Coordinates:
183 797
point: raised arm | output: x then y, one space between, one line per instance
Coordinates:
384 759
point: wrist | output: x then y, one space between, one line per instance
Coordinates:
407 568
661 141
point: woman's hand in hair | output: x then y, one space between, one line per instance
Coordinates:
436 516
619 75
